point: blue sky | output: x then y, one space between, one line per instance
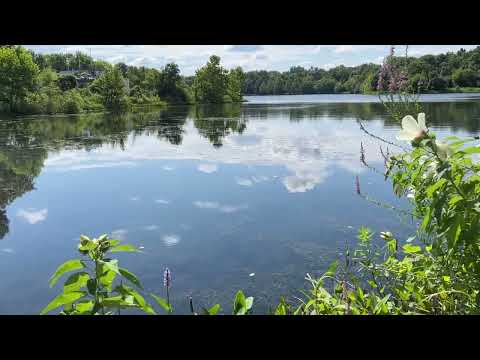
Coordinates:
249 57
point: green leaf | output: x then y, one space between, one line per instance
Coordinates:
332 268
455 199
111 265
472 150
63 299
426 219
124 248
125 290
102 237
163 303
67 266
453 234
240 304
431 189
411 249
281 308
119 302
214 309
84 238
84 306
113 242
107 279
380 307
76 281
130 277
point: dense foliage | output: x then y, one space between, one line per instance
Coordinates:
33 83
17 75
20 90
430 73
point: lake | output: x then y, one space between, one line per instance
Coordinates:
215 193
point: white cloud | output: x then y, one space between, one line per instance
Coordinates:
217 206
134 198
207 168
306 150
231 208
151 227
161 201
244 182
259 179
33 216
206 204
344 48
244 48
329 66
168 168
119 234
99 165
8 250
297 184
171 239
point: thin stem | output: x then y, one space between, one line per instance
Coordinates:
378 137
168 298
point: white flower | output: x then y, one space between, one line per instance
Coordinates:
412 129
443 150
411 192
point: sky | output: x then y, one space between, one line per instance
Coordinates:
249 57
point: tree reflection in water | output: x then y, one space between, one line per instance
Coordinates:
26 143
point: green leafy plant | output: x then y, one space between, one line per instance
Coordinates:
241 304
96 286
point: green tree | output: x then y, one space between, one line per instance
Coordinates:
211 81
101 65
370 83
464 77
17 75
112 90
123 68
59 62
236 80
167 83
325 85
47 77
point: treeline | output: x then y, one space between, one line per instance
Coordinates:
32 83
429 73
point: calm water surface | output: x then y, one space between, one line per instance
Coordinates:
214 193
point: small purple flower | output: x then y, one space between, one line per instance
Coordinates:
390 78
167 278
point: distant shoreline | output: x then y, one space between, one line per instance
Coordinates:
466 90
